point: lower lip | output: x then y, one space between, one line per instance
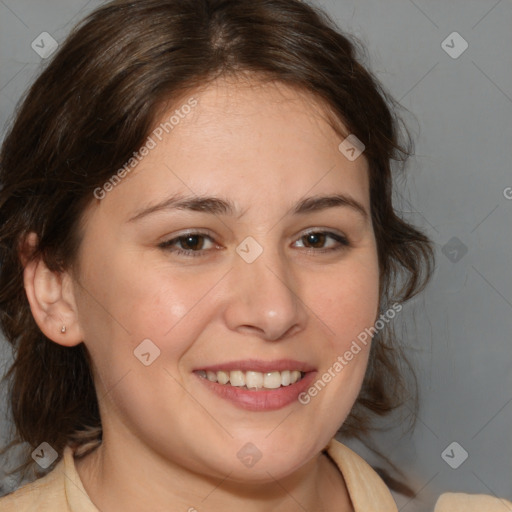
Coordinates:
267 400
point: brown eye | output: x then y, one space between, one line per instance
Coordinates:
192 242
316 240
322 240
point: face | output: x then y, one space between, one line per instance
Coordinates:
241 246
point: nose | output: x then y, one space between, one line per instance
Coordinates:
264 299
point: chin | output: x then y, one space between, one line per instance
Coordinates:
265 459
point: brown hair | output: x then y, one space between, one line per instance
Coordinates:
95 104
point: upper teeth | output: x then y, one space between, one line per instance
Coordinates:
253 380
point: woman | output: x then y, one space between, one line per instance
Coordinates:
201 264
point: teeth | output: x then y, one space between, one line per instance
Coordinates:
272 380
253 380
294 376
237 378
222 377
211 376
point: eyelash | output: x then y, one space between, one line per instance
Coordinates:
168 245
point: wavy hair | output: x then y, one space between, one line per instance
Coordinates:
94 105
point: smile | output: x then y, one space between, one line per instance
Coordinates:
253 380
257 385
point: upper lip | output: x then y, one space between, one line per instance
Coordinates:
258 365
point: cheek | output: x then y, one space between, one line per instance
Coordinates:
346 301
133 300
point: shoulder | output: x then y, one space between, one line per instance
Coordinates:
460 502
366 488
43 495
369 491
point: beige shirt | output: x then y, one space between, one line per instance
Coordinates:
61 490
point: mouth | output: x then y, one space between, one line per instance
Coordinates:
253 380
258 385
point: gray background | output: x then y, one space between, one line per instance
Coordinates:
458 332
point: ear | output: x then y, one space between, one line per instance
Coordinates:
51 298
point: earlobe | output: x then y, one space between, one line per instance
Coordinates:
51 301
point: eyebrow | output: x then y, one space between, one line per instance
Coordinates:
218 206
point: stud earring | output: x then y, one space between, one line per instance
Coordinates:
63 330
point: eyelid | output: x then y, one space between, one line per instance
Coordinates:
188 232
168 244
340 238
326 231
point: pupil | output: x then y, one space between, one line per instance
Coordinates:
193 242
316 239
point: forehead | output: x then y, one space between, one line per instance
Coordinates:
233 109
254 141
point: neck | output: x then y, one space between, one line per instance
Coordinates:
112 470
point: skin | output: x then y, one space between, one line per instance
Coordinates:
167 438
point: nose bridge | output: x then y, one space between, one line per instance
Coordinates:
265 298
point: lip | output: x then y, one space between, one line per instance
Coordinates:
257 365
262 400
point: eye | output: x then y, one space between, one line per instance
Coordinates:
196 244
190 244
322 241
